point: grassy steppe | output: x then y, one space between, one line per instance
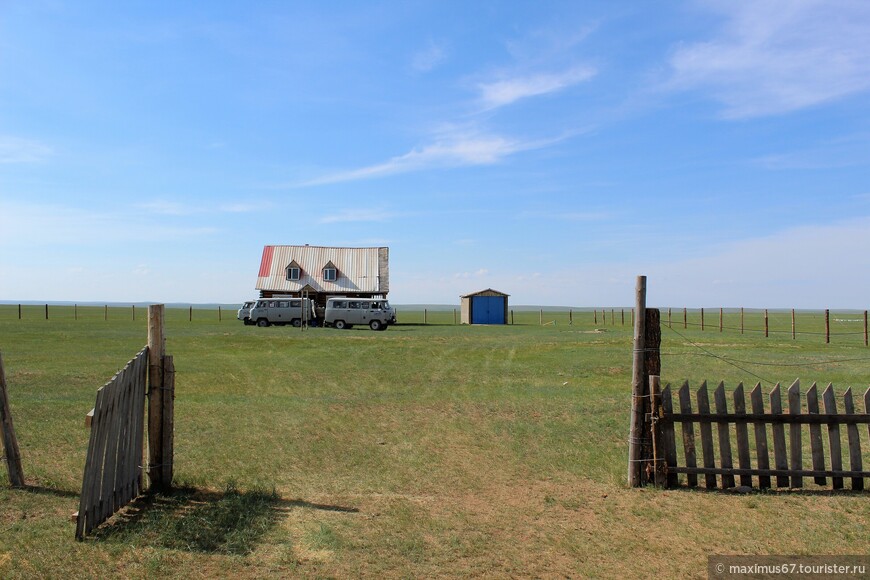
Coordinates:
423 451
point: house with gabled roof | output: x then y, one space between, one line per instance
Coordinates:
320 272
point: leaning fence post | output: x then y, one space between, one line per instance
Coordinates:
156 350
636 430
10 442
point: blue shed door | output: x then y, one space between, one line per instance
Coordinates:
487 310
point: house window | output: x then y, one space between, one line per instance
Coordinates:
330 274
293 273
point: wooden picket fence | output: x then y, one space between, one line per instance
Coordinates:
788 468
113 469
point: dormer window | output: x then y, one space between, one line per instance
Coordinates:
330 273
294 272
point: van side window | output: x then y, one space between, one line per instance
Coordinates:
295 303
272 304
375 306
354 305
262 304
339 304
282 304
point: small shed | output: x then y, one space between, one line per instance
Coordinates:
485 307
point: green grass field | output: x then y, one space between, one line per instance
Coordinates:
424 451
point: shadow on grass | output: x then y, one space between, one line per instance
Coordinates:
40 490
231 522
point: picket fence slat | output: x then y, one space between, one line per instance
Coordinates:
854 440
794 433
724 436
779 454
688 434
818 452
762 452
669 439
706 436
113 468
743 459
788 460
833 436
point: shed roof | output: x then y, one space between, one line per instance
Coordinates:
359 269
487 292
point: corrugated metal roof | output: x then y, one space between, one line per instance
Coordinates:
358 269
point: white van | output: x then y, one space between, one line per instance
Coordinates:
244 313
344 312
280 311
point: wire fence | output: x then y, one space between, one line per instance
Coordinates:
827 325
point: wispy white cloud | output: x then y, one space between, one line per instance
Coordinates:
18 150
429 57
509 90
449 151
773 57
175 208
39 225
847 151
481 273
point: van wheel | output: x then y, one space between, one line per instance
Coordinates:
296 322
339 324
262 323
376 325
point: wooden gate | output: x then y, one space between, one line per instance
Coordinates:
788 468
113 470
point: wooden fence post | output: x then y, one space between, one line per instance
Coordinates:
190 314
741 320
669 316
46 311
865 331
156 351
594 316
720 319
19 312
702 319
792 325
622 312
133 311
570 317
685 319
10 442
637 433
766 327
425 316
827 326
106 312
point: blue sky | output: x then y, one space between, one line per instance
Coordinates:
550 150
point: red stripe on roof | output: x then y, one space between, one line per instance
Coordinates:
266 262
